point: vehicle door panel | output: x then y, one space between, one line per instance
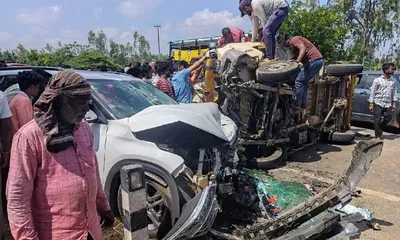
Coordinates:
99 130
362 93
99 144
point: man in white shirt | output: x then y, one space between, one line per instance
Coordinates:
267 15
6 139
382 100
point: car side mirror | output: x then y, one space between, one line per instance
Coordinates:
91 117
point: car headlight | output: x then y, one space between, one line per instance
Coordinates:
197 217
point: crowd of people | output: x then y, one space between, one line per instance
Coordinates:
174 78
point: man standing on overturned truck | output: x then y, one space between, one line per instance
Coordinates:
267 15
312 61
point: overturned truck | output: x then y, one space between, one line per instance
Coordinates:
235 199
259 97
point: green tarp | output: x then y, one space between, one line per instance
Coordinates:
278 196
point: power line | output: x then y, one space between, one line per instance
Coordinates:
158 38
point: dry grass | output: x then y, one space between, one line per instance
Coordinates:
116 232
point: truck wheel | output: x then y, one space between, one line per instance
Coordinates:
277 72
338 137
344 69
276 158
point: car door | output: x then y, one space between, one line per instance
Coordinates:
99 127
362 92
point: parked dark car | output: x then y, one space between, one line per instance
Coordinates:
362 91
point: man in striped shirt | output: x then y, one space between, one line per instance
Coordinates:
383 98
163 84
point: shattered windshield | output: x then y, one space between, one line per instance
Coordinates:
126 98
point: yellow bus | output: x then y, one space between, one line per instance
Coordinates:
188 49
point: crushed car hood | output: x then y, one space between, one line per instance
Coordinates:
200 125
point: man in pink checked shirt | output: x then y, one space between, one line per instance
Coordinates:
53 188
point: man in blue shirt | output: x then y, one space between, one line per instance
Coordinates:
180 80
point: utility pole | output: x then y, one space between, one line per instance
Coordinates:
158 38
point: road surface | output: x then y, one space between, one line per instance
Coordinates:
380 188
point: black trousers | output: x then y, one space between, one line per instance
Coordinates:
89 237
380 112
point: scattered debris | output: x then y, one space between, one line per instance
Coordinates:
350 209
364 134
374 225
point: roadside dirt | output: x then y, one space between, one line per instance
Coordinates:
321 164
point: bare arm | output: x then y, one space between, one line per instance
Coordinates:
302 52
197 64
196 73
219 44
256 27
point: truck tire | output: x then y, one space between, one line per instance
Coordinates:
276 159
338 137
344 69
277 72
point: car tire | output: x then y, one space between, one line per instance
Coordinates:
277 72
344 69
166 196
339 137
275 160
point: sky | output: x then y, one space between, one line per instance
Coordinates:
35 23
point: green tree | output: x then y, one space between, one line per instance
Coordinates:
120 53
98 41
372 24
92 59
97 53
322 25
141 46
8 56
